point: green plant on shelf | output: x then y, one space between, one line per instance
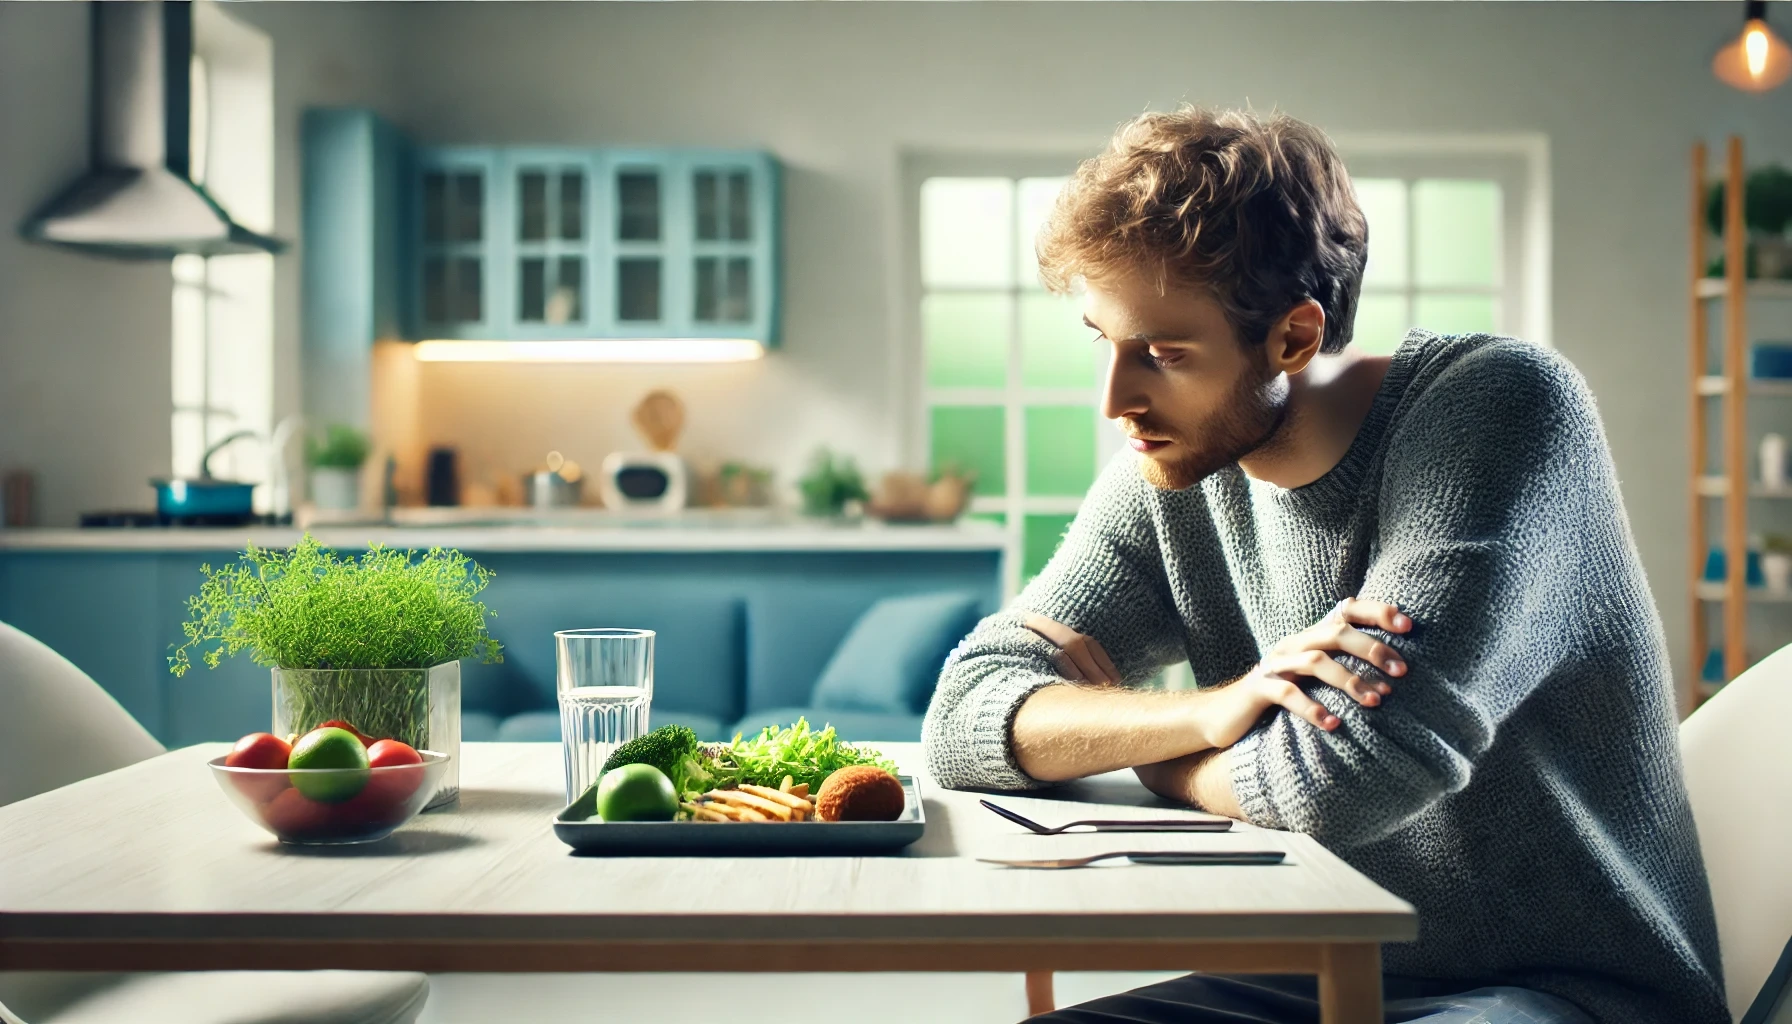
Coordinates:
342 447
1766 213
311 613
830 484
1776 544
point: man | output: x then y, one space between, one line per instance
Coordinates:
1406 586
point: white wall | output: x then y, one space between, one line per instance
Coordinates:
839 90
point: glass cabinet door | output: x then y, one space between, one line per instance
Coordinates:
723 245
640 236
452 255
551 242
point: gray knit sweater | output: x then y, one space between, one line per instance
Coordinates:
1522 786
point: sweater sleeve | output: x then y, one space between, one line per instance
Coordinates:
1485 479
1106 581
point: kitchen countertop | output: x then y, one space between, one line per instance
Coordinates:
576 530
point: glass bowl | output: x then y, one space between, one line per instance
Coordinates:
332 806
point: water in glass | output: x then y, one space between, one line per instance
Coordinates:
594 720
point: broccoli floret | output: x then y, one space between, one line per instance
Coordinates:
666 748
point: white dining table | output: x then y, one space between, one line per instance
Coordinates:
151 868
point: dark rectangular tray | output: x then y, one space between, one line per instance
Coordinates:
576 826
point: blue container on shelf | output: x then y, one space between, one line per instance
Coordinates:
1714 666
1771 360
1717 568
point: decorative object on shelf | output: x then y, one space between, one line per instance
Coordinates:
375 642
1758 59
1717 567
833 486
655 480
734 485
1767 213
1713 669
557 483
1776 563
1770 360
1773 462
442 479
903 497
335 462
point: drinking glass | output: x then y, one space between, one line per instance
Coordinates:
604 678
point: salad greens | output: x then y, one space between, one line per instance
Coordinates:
806 755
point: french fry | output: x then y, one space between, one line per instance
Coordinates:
801 791
795 803
787 784
727 812
702 813
752 801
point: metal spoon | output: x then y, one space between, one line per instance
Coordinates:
1158 825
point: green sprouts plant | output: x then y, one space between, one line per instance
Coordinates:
342 447
830 484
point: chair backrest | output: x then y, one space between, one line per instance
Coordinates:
1739 778
56 725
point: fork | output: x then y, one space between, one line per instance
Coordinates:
1150 857
1159 825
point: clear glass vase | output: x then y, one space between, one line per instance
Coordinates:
418 706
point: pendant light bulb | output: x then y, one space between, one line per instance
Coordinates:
1758 60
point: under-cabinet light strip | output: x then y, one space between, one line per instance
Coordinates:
594 350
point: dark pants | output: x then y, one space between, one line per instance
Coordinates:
1294 999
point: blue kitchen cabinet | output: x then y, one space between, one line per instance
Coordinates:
545 256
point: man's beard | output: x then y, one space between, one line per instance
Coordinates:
1248 422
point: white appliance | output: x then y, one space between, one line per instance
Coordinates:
644 481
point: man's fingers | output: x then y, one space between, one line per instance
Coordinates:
1066 666
1351 640
1319 665
1102 661
1376 613
1290 696
1056 632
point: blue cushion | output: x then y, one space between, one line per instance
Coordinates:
853 726
537 726
891 658
477 726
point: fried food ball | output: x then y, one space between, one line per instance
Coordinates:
860 793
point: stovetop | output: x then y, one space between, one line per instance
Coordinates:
130 519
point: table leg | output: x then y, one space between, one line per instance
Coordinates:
1039 993
1350 984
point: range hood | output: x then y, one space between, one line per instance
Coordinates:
137 201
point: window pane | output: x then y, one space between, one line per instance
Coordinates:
638 289
1456 314
638 202
970 439
532 290
1036 196
1384 206
1040 537
737 291
572 205
740 209
468 287
567 304
435 290
1458 237
1060 449
469 207
709 206
965 336
1381 324
1057 350
705 308
967 227
532 220
435 207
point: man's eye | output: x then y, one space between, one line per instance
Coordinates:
1170 358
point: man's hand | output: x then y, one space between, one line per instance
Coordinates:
1234 708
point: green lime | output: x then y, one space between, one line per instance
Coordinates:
329 747
636 792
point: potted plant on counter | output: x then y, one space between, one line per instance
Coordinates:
335 463
374 641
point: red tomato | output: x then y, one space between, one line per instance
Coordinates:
267 754
391 788
366 740
294 814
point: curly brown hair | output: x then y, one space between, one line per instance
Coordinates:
1260 212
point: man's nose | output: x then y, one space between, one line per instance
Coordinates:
1122 394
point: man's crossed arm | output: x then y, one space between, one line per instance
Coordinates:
1175 741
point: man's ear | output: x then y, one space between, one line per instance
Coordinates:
1295 339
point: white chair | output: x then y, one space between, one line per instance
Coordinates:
56 727
1739 777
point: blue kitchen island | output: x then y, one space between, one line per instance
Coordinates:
748 617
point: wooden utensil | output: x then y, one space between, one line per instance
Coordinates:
659 416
